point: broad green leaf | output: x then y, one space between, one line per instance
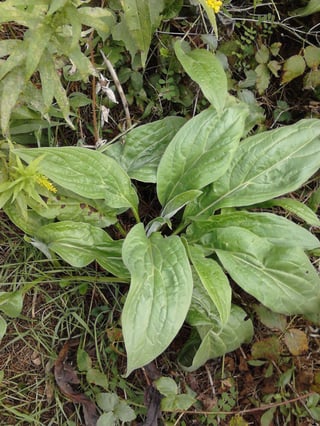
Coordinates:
293 67
312 7
144 146
15 60
8 46
12 86
266 165
274 229
166 386
87 173
84 362
82 63
159 296
314 201
139 20
3 327
312 79
124 412
95 376
204 68
29 224
81 243
213 280
297 208
107 401
200 152
281 278
101 19
211 341
11 303
177 402
107 419
179 201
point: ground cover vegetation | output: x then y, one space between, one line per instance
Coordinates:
159 196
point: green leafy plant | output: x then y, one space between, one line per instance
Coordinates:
209 177
52 35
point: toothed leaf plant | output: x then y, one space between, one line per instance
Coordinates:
212 181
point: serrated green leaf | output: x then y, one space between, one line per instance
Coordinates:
96 377
159 295
213 280
204 68
81 243
200 152
262 55
144 146
124 413
312 79
293 67
177 402
281 278
87 173
265 166
297 208
274 229
312 56
263 78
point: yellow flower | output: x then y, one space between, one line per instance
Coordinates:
215 5
44 181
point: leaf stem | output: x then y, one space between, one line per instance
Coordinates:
121 229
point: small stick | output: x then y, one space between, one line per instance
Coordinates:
119 88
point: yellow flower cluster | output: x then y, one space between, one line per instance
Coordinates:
44 181
215 5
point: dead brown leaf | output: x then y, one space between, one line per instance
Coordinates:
65 377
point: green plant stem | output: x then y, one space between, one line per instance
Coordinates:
136 215
121 229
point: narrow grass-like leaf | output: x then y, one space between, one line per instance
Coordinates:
159 296
87 173
200 152
204 68
265 165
